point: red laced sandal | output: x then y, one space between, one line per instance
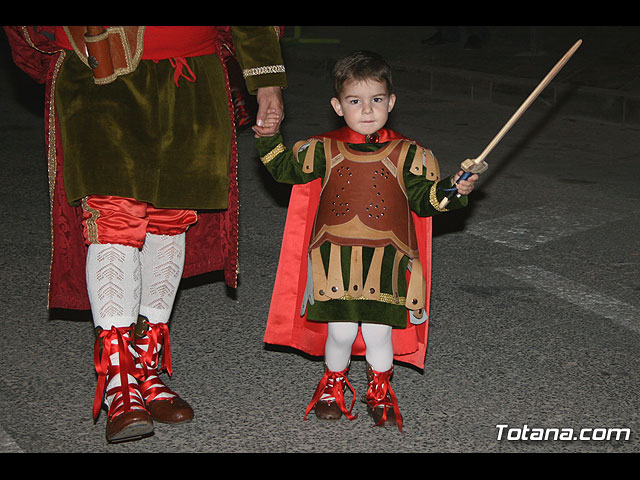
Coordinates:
328 400
164 404
382 403
127 417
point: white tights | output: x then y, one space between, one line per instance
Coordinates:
162 263
123 281
340 340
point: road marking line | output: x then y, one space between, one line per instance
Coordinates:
7 444
531 228
586 298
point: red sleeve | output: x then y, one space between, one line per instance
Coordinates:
31 50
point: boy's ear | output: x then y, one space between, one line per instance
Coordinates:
392 102
335 103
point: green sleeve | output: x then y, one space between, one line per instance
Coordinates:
258 51
425 195
283 165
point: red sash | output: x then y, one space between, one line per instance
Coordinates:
166 42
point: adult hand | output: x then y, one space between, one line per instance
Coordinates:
270 111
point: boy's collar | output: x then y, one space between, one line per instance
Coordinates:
347 135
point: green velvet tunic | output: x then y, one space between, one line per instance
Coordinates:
285 168
143 137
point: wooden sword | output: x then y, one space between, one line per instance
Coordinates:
479 165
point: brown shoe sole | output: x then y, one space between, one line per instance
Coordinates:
129 426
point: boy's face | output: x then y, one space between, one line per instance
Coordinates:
365 105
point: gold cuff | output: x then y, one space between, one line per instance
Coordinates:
250 72
273 153
433 198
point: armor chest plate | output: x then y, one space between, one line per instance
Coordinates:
363 202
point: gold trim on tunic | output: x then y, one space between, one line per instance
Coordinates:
277 150
384 297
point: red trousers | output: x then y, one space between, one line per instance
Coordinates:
126 221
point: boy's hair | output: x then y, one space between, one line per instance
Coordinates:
361 66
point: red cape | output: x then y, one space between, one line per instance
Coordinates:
212 243
285 325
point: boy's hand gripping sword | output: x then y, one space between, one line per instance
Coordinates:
478 165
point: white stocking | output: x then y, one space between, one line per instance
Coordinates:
379 344
162 260
113 284
340 338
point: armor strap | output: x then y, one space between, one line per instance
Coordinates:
309 156
396 269
319 276
372 285
416 291
424 158
355 273
335 282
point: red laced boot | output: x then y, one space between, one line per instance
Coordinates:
127 418
328 400
163 403
382 403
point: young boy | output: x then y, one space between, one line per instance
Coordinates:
355 266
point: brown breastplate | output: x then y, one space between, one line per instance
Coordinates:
363 200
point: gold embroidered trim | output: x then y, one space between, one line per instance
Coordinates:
433 198
29 40
384 297
250 72
92 222
273 153
52 161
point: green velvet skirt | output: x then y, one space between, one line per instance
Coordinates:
143 137
384 311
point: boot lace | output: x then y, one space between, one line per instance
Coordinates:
117 384
381 395
331 388
148 349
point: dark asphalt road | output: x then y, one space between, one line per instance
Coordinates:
535 311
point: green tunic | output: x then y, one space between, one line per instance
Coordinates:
143 137
285 168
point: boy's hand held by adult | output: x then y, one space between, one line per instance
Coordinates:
270 111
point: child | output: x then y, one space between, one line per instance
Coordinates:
354 273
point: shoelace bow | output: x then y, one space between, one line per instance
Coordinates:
156 338
334 384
